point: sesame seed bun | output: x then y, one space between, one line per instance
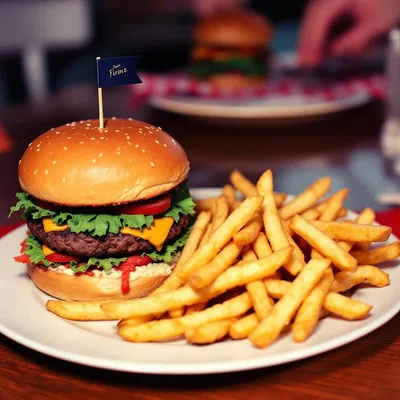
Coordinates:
90 288
79 164
234 29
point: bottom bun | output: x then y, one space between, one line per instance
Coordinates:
86 288
234 81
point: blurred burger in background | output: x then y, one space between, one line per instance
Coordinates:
231 49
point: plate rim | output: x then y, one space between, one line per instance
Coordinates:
203 368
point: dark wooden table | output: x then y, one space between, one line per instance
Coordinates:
366 369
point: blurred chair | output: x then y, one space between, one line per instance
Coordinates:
31 27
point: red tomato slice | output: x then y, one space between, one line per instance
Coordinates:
23 258
61 258
129 266
24 246
154 206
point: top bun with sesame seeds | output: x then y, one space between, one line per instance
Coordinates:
78 164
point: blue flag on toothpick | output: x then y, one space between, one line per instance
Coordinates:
117 71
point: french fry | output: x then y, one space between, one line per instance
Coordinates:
262 249
335 303
323 244
205 204
229 192
365 274
308 314
296 248
377 255
284 310
204 254
272 223
250 231
79 310
209 333
342 212
186 296
257 291
368 218
242 184
242 328
206 235
196 308
354 232
206 274
306 199
311 214
247 188
334 205
195 236
177 313
221 213
169 328
133 321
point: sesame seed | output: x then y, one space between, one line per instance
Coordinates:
81 142
47 136
63 180
94 160
147 127
19 162
92 138
37 149
136 145
117 130
128 137
46 172
102 138
38 145
52 129
159 127
105 130
88 124
119 153
165 145
100 154
173 141
157 141
35 172
54 162
68 124
57 133
114 118
69 137
87 127
65 148
130 144
30 144
130 119
143 151
118 148
152 164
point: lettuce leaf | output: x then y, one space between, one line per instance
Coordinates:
101 224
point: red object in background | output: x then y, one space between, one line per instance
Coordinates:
5 141
390 218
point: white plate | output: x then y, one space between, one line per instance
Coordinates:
269 108
23 318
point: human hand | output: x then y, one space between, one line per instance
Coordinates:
206 8
371 19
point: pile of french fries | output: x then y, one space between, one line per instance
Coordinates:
256 268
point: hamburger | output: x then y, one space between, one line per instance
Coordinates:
107 209
231 49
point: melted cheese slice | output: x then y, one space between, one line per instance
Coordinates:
47 250
156 234
50 226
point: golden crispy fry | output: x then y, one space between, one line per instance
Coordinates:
169 328
272 223
334 205
250 231
205 204
308 314
204 254
79 310
354 232
263 249
242 184
257 291
306 199
296 248
209 333
197 232
179 312
134 321
279 198
284 310
206 235
206 274
323 244
311 214
345 307
229 192
367 216
195 308
378 254
364 274
221 213
242 328
334 302
232 277
342 212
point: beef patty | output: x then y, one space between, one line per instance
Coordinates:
82 244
